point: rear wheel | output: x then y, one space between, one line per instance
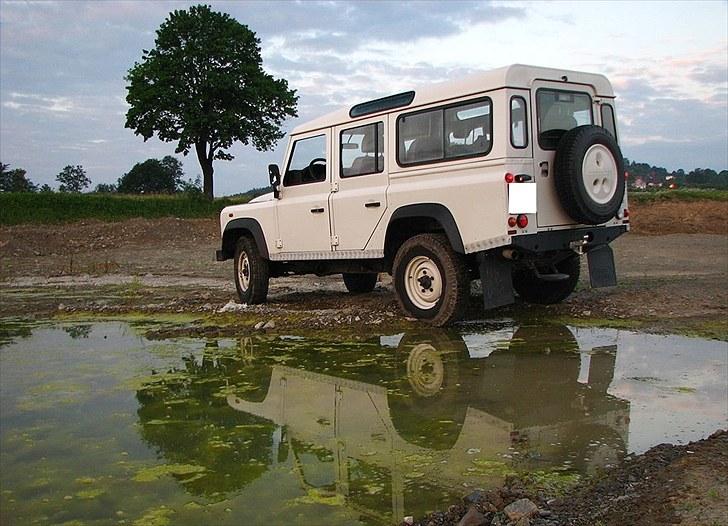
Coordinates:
431 279
251 272
359 283
534 286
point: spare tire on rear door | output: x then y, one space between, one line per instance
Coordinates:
589 174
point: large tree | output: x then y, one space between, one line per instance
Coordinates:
203 85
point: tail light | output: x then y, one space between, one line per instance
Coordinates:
511 222
522 221
509 177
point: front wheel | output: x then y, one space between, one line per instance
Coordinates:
431 279
534 288
359 283
251 272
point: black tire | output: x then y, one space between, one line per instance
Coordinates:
533 289
258 272
432 249
584 204
359 283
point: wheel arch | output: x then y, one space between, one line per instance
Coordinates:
410 220
239 227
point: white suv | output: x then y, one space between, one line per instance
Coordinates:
507 177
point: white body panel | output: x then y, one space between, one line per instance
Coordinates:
472 189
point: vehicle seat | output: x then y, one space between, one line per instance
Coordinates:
425 148
366 163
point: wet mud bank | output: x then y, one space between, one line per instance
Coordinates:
668 484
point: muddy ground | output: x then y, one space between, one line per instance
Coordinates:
672 268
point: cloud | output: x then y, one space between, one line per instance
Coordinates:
62 68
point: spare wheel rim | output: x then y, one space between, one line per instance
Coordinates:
599 174
423 282
244 271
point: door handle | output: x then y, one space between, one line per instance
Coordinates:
373 204
317 210
544 166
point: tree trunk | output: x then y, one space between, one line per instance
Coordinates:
205 161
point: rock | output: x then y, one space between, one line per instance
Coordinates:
409 519
472 518
269 325
259 325
61 306
523 521
231 306
475 497
520 509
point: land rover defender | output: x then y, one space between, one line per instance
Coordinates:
508 176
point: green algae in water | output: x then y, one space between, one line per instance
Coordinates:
286 423
156 517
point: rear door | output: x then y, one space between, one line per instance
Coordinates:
359 198
557 108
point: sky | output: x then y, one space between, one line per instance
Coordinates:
62 68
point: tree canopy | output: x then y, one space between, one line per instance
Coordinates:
15 180
73 179
203 86
153 176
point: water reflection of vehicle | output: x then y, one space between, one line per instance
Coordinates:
390 423
437 409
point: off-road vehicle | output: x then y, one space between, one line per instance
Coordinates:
507 176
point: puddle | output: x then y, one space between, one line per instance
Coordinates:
99 425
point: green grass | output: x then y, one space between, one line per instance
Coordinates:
682 194
50 208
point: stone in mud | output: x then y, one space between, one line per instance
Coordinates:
476 497
473 518
231 306
520 509
259 325
269 325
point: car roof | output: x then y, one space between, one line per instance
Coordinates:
513 76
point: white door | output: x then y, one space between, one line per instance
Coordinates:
360 200
557 108
303 207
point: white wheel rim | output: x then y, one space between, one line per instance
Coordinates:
244 271
425 370
423 282
599 172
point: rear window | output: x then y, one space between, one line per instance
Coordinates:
446 133
558 112
608 120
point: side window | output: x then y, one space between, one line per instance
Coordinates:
308 162
420 137
467 130
442 134
519 123
558 112
608 120
362 150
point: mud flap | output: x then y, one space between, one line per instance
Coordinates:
601 267
496 280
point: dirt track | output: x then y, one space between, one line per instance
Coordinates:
673 283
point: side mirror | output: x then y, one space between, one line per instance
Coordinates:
274 174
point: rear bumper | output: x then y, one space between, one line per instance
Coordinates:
564 239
